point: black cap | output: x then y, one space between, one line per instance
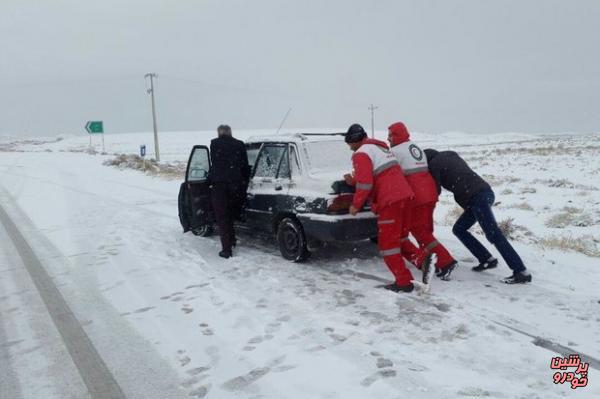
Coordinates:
355 134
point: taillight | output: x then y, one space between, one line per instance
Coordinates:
339 204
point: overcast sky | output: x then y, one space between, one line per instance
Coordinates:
474 66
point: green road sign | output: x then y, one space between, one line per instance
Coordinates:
94 127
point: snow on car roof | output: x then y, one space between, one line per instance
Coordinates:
297 137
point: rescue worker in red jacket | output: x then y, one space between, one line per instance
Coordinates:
419 211
378 176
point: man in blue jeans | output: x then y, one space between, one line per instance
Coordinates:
476 197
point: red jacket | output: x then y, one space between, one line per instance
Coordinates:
414 165
378 176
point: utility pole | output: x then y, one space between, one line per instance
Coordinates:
372 108
150 91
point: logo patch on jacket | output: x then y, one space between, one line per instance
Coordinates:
416 152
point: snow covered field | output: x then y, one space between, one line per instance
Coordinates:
172 319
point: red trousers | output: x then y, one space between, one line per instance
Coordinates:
420 224
390 229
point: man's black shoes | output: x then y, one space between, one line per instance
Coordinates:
518 278
488 264
399 288
225 254
444 273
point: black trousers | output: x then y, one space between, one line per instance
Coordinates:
227 201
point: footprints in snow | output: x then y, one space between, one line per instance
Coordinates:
269 331
195 376
346 297
174 297
179 296
241 382
384 367
311 335
142 310
205 329
105 251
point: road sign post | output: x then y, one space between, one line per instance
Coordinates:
143 154
95 127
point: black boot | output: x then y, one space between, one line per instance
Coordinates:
399 288
427 269
518 278
488 264
225 254
445 273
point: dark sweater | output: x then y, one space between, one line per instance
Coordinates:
229 161
452 172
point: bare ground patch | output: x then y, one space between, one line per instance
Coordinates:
559 149
564 183
167 170
571 216
521 205
15 146
587 244
495 180
514 231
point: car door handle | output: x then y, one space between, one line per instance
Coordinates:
278 188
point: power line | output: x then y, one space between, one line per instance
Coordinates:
70 82
224 86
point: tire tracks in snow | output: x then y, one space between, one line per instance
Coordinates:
140 370
97 377
508 322
517 326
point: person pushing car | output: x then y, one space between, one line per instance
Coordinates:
378 176
419 211
229 176
476 197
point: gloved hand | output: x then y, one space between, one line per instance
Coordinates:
349 179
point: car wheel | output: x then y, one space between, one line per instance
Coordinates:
205 230
291 240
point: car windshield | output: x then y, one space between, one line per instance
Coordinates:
329 156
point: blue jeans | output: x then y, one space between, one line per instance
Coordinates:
480 210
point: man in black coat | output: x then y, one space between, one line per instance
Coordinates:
229 176
476 197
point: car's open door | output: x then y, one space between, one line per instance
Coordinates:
194 195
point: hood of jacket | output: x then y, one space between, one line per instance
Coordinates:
399 133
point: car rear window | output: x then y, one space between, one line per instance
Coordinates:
329 156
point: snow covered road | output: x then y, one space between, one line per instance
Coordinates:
169 318
92 369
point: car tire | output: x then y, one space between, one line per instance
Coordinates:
291 240
206 230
